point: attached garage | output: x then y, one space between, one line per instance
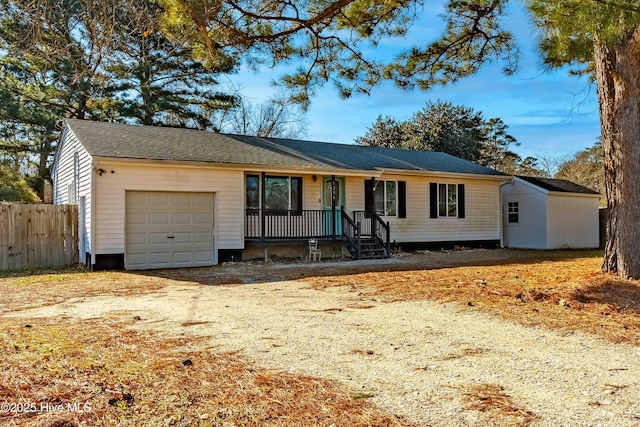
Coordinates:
169 230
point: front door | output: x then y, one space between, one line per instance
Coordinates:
332 201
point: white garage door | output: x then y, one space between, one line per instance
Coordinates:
168 230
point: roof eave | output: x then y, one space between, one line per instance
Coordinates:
571 193
249 167
444 174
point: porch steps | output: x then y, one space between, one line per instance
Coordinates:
372 249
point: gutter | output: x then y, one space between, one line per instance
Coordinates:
238 166
442 174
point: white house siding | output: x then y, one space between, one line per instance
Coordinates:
354 194
311 192
530 230
227 186
573 221
482 203
75 176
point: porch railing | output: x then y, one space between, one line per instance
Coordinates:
373 226
288 224
351 234
319 223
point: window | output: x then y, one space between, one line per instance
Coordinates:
332 193
388 198
252 193
384 196
446 200
513 212
281 194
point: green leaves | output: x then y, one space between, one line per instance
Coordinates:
453 129
472 37
95 59
570 27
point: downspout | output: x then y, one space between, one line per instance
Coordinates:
502 184
94 200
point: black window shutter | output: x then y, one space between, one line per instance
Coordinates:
433 200
368 196
402 199
461 212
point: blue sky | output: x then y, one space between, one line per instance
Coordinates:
551 114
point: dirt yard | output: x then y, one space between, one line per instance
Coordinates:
475 337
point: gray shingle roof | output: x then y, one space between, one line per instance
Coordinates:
164 143
559 185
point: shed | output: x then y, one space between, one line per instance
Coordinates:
542 213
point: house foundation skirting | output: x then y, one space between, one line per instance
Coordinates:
291 249
444 245
108 262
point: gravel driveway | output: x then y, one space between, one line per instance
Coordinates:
416 359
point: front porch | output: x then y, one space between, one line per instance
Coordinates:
364 234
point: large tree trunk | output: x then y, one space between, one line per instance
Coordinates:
618 76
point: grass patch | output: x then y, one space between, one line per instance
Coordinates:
115 375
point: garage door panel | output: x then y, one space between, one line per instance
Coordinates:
136 199
184 199
137 218
159 219
183 257
158 239
203 218
182 238
202 198
166 230
182 218
158 199
203 237
160 257
137 239
203 256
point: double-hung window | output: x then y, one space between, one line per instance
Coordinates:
447 200
282 194
513 212
385 198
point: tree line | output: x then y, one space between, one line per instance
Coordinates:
107 60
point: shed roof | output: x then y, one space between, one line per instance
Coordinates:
178 144
559 185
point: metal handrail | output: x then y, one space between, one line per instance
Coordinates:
351 233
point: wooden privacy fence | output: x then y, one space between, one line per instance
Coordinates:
35 236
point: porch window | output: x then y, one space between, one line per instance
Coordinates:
385 200
282 194
514 212
252 194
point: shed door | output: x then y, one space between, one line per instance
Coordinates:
168 230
